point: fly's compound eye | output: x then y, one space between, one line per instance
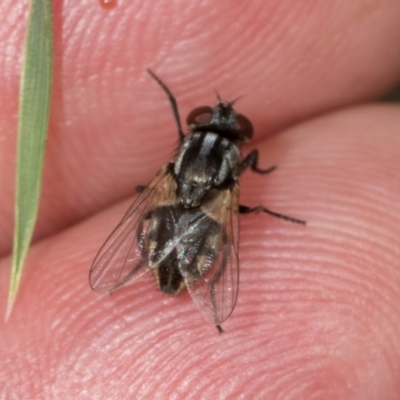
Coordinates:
244 126
200 116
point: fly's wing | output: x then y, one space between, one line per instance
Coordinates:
213 283
120 258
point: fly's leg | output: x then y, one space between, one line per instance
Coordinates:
251 161
140 188
172 100
248 210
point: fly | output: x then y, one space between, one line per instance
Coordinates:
183 226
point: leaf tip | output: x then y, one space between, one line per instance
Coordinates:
10 305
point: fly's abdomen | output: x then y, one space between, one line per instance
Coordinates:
181 246
168 275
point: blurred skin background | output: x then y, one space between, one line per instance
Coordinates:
318 314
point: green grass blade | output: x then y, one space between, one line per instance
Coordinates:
34 104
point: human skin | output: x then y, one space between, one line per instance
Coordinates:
318 314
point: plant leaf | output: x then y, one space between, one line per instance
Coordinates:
33 119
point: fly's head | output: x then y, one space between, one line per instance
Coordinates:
222 119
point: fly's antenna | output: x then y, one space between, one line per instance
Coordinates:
172 100
235 100
231 103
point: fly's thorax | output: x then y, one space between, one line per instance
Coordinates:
205 161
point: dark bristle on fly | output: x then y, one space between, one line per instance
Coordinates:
183 225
